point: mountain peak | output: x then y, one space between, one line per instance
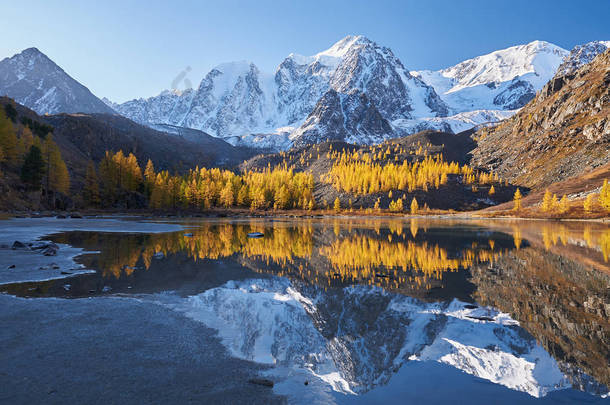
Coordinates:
31 78
581 55
341 47
31 51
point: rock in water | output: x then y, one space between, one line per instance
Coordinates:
261 381
255 235
50 251
19 245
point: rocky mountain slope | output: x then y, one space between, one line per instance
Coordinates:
455 194
34 80
563 132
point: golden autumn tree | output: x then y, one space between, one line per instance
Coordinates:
604 196
517 200
588 204
149 176
414 206
226 196
133 173
57 178
8 140
563 204
547 202
337 205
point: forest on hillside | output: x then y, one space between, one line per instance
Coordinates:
389 177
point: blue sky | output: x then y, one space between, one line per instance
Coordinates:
127 49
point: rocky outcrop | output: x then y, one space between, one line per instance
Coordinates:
580 56
563 132
343 117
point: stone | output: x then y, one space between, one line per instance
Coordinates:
261 381
19 245
50 251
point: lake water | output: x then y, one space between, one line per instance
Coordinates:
373 310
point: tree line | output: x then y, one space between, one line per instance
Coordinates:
119 175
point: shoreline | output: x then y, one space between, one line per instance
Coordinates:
317 214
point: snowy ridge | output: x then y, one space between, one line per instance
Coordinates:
296 105
238 102
582 55
331 335
502 80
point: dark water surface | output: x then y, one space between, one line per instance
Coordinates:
377 310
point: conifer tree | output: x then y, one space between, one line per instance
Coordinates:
108 177
414 206
517 200
57 178
604 196
547 202
563 204
492 190
149 177
554 202
588 204
337 205
226 196
32 171
91 192
8 140
25 140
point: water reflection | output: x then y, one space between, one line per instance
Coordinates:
523 304
394 256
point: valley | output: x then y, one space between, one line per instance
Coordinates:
323 202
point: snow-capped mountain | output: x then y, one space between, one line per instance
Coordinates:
502 80
246 106
356 91
349 117
233 98
34 80
581 55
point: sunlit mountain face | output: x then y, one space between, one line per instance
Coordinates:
350 306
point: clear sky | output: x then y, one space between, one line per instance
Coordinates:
127 49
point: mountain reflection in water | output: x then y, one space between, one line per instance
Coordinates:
523 304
